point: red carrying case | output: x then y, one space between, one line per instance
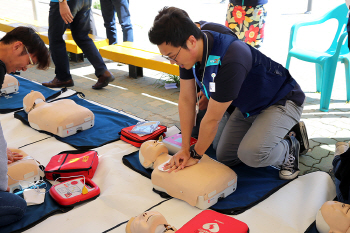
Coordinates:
209 221
72 163
137 140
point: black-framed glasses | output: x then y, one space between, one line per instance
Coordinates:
172 59
30 59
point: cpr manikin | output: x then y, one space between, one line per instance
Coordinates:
200 185
333 217
62 117
23 173
10 85
149 222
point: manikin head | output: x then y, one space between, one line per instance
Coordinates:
177 37
31 99
149 152
333 217
149 222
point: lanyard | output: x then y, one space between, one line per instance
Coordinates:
205 65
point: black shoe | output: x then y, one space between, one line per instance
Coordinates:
290 169
103 80
299 132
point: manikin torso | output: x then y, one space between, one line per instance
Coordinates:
23 172
10 84
202 183
62 117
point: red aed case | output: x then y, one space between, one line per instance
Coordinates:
209 221
72 163
70 192
137 140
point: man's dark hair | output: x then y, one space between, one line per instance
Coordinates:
33 43
173 26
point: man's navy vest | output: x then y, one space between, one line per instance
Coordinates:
266 83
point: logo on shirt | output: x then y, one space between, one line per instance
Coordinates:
213 60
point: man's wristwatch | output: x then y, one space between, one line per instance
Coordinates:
61 0
195 155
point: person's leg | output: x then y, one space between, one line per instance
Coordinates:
93 30
57 27
235 129
108 14
258 141
221 127
12 208
264 143
80 29
123 13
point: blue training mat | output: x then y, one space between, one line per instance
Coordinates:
254 184
36 213
14 101
107 126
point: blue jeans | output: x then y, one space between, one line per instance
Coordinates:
121 7
12 208
80 28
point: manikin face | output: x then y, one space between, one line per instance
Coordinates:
16 61
147 222
337 216
149 152
185 58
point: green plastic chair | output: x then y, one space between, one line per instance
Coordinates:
325 61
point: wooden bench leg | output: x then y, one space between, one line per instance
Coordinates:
135 71
76 57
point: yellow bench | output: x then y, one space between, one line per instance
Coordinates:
138 58
7 25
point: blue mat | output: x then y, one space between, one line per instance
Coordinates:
14 101
254 184
107 126
36 213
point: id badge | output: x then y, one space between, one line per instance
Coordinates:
212 87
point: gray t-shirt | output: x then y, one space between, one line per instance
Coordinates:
3 162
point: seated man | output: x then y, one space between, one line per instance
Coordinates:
62 117
149 222
200 185
12 207
20 49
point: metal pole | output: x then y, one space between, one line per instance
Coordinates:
309 7
35 9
